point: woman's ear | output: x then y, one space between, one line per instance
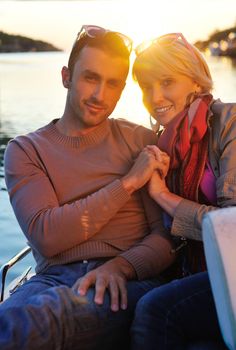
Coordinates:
198 88
65 74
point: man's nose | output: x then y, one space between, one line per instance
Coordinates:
99 91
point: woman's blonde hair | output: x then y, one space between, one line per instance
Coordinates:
167 56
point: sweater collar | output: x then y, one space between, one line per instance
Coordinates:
93 137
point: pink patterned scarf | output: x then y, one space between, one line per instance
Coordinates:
185 140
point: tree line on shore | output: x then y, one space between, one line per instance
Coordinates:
220 43
19 43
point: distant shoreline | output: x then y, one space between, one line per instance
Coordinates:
16 43
29 52
220 43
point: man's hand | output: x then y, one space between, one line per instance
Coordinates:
112 275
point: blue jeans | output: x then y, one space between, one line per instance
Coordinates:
46 313
179 315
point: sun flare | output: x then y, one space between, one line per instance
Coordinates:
145 22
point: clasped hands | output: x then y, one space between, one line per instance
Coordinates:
151 166
156 183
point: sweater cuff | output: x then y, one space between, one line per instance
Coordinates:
137 261
118 192
151 256
184 223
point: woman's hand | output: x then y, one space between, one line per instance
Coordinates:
156 185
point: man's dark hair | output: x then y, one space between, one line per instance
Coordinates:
110 42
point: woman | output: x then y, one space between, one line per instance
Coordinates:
196 148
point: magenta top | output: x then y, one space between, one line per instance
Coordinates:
208 184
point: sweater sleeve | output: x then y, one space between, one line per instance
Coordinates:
49 227
188 217
153 254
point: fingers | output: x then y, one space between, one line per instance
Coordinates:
117 289
123 293
100 288
148 158
114 294
84 283
91 279
118 293
159 155
147 154
162 158
154 150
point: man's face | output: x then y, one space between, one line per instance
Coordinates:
95 87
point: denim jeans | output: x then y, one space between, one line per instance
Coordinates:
46 313
177 316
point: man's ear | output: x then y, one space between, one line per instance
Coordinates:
65 74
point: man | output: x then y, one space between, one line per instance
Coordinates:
73 185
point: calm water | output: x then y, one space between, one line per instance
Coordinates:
31 95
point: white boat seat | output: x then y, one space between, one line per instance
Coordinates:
219 236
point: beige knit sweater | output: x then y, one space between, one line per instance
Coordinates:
69 201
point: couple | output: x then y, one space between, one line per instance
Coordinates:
102 240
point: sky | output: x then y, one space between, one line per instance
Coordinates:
59 21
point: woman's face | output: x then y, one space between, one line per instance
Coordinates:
164 98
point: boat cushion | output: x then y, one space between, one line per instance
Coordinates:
219 236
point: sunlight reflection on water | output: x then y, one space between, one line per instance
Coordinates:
31 93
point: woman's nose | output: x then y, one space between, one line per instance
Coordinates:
157 93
